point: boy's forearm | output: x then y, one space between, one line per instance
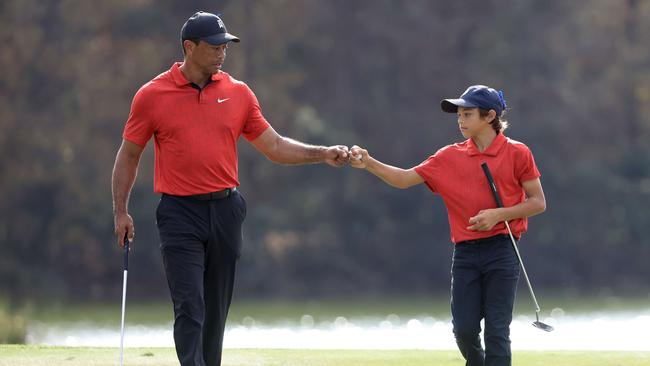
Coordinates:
530 207
389 174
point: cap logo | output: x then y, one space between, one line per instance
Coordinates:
221 25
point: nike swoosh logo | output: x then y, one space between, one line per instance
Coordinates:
222 100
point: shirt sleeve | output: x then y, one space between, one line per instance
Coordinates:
140 125
526 167
428 170
255 123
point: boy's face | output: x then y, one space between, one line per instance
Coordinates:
471 123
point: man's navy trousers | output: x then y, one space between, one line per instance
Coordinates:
201 239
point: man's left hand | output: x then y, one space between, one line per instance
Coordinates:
337 155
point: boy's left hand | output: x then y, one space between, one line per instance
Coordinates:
485 220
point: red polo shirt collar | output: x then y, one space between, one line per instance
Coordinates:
180 80
497 144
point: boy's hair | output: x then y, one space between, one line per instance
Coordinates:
498 123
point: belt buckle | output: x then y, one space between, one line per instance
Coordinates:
220 194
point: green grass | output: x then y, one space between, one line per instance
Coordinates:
63 356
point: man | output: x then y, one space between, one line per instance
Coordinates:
196 113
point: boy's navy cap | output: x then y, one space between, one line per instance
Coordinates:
476 96
206 27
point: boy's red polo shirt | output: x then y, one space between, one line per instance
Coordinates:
195 131
455 173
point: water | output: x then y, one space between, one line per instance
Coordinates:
616 331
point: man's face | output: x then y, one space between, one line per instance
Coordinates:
208 58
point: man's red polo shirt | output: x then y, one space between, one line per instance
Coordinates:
455 173
195 131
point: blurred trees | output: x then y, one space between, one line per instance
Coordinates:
364 72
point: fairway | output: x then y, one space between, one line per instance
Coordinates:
62 356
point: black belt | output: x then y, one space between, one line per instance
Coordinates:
213 196
487 240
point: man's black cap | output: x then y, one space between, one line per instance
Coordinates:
206 27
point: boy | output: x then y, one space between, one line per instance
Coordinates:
485 269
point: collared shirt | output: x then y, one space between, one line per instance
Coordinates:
195 130
454 172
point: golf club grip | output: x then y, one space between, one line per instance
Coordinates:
126 252
493 186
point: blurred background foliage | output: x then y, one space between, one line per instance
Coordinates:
577 79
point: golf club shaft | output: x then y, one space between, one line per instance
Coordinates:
497 198
126 272
523 269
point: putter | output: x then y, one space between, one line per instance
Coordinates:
497 198
126 271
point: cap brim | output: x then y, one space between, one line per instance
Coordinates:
451 105
220 38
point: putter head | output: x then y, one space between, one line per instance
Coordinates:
542 326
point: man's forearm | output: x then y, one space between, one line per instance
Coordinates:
290 151
124 173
